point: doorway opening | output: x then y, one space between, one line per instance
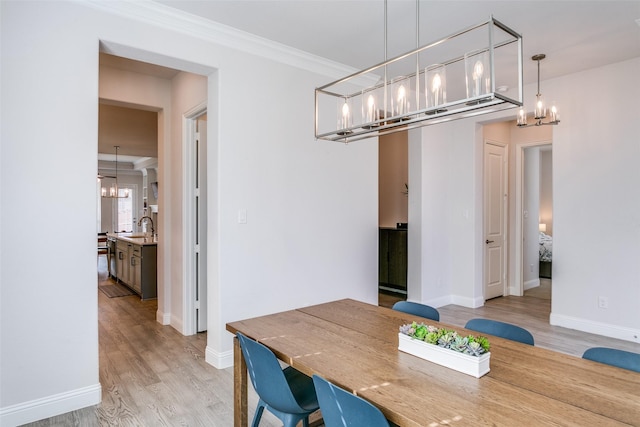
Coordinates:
535 230
393 207
152 86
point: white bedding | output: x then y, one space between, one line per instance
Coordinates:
546 244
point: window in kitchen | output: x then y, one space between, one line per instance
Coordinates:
125 210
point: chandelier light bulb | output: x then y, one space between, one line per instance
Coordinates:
401 93
401 98
554 113
522 117
478 70
435 87
345 115
540 111
345 110
371 109
437 82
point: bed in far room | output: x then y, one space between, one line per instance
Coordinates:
546 246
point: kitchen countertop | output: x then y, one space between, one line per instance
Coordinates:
135 238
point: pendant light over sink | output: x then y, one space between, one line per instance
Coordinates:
113 191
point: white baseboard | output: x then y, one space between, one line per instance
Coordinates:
514 291
218 360
50 406
177 324
467 302
598 328
439 302
163 318
530 284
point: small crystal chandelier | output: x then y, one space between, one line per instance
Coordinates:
113 191
540 110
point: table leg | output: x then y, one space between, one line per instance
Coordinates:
240 416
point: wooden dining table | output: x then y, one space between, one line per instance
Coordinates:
355 346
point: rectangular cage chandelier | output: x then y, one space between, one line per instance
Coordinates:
475 71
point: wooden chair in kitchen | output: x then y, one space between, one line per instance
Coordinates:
417 309
501 329
340 408
614 357
102 244
286 393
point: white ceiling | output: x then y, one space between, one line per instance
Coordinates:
575 35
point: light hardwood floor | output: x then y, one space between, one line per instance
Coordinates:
153 376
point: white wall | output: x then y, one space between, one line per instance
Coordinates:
595 151
446 209
595 181
311 234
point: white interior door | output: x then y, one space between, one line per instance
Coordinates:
201 224
495 213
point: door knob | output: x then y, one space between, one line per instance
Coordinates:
488 241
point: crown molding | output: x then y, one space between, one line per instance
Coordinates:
163 16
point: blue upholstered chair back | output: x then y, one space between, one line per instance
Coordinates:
417 309
614 357
287 393
501 329
342 409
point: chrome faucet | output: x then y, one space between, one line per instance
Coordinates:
150 220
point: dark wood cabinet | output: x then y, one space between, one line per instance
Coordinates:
392 265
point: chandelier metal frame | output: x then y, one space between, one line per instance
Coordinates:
540 110
336 104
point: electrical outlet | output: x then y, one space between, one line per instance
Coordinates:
603 302
530 268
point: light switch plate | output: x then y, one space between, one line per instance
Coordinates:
242 216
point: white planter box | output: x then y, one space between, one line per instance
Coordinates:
470 365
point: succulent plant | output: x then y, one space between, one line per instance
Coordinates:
474 346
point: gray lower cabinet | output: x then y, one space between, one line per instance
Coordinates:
392 264
136 267
122 264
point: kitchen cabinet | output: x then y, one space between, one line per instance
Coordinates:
392 262
136 266
144 271
122 258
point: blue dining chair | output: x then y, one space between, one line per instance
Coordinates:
501 329
614 357
417 309
343 409
286 393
